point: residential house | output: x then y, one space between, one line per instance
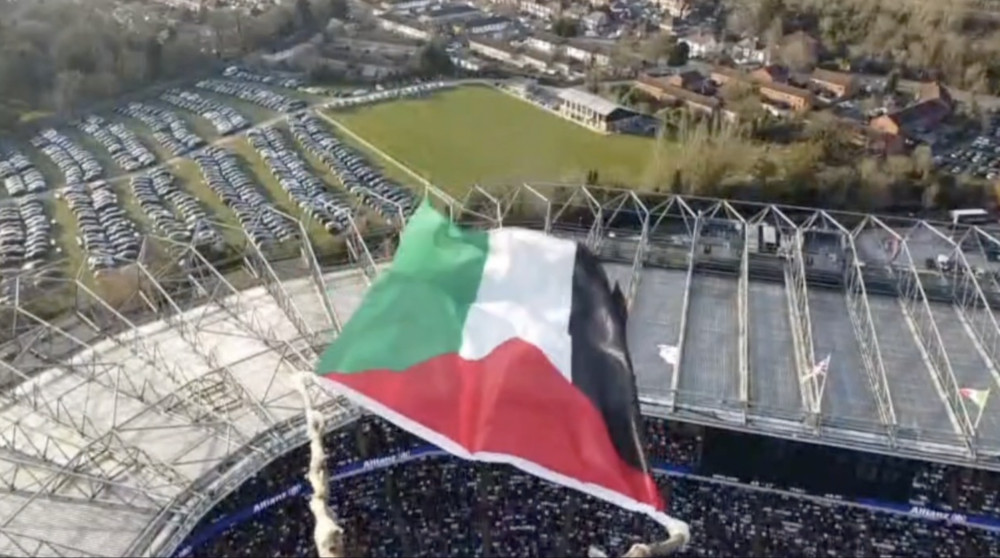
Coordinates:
838 84
662 90
702 45
539 9
749 51
534 61
588 54
722 75
401 26
486 25
796 98
545 43
493 50
934 106
676 8
772 73
691 80
406 5
449 14
595 21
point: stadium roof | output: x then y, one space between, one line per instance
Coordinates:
598 104
128 417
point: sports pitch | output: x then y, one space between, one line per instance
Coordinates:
476 134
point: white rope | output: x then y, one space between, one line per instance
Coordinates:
328 535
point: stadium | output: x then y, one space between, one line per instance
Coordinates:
805 377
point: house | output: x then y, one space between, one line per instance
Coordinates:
588 54
722 75
691 80
838 84
772 73
539 9
493 50
405 5
749 51
545 43
486 25
934 107
592 111
534 61
794 97
595 21
402 26
702 45
450 13
669 23
663 90
676 8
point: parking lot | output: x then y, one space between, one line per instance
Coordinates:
223 175
977 156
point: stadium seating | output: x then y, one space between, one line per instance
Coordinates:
443 506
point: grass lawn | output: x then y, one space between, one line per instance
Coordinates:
479 135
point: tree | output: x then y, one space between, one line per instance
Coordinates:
923 161
799 54
892 82
339 9
304 18
679 54
433 60
677 183
566 27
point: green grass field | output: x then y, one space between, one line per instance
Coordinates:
480 135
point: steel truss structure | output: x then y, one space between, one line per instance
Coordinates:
135 400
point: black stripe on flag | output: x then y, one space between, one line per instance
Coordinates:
602 367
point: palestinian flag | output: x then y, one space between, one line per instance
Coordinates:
504 346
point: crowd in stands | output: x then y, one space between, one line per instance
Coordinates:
444 506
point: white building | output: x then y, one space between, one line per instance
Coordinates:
493 51
547 44
487 25
534 61
588 55
404 27
702 45
538 9
406 5
749 51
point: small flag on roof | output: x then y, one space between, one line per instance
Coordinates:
504 346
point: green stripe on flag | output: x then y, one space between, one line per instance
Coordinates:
417 308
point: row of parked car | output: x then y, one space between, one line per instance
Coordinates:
25 233
169 129
254 94
360 178
109 238
365 97
76 163
238 192
124 147
303 186
224 118
241 74
174 213
18 173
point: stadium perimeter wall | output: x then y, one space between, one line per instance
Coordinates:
301 490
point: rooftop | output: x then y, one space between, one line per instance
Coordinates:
600 105
120 421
